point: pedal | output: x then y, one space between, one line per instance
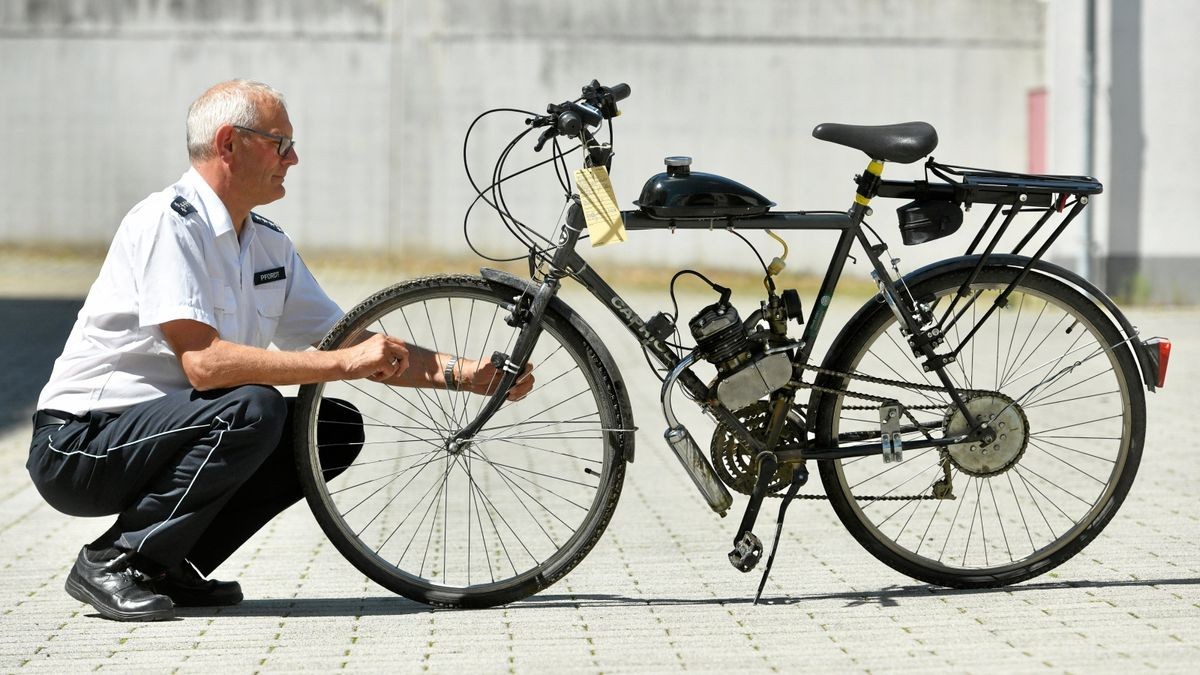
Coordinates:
889 431
746 552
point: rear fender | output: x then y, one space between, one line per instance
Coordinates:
1128 331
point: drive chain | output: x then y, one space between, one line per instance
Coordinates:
880 399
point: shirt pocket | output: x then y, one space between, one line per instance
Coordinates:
225 306
269 301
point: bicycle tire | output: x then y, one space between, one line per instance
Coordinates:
525 458
1096 411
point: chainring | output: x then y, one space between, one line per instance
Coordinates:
736 465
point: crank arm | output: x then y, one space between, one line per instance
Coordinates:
747 548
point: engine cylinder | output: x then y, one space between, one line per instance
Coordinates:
719 334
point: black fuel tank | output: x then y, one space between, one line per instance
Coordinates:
679 193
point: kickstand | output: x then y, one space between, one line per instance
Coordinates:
799 478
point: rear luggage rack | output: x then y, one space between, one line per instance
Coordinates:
967 186
1011 194
1020 192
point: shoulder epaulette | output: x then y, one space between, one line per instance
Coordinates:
264 222
182 207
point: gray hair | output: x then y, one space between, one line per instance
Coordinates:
235 102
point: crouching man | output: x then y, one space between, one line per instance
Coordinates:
161 408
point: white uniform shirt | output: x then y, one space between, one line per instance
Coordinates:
175 256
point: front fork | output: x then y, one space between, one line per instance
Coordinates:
529 317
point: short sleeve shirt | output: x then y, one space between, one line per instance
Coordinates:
176 255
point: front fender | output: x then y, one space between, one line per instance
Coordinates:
622 440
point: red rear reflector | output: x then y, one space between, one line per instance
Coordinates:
1164 355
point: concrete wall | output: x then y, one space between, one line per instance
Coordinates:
1147 89
95 96
380 92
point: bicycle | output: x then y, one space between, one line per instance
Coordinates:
975 424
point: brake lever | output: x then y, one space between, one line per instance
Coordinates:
546 136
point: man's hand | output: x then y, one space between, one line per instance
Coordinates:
481 377
378 358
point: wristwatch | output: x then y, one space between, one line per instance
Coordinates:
448 374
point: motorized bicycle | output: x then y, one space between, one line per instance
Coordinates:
975 424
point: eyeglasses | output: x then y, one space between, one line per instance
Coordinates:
285 143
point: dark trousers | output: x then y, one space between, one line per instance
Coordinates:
190 475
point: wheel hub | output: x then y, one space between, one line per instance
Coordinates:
458 446
1006 420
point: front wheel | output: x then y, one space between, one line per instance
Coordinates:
1048 371
470 524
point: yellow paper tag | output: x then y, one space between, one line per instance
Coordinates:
604 222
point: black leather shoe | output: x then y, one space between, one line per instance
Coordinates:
186 588
116 589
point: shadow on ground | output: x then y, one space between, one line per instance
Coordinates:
32 334
891 596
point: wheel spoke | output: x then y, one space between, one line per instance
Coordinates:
1071 400
950 528
1020 511
1000 519
553 452
1051 454
1009 379
1039 400
1075 424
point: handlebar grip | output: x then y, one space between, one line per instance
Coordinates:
619 91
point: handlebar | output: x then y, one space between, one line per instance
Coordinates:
571 118
619 92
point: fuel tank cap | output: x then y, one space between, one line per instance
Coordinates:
678 165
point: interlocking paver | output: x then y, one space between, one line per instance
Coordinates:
656 595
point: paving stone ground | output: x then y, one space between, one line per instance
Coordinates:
656 595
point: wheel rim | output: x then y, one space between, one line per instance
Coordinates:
512 503
1015 513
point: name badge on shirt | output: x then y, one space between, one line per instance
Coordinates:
269 276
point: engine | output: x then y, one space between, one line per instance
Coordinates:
744 373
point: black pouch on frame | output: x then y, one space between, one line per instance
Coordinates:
926 220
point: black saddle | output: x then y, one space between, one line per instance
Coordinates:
903 143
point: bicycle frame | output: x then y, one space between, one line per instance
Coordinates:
567 262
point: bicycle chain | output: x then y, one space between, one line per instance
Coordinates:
880 380
881 399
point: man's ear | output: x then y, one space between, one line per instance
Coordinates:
223 142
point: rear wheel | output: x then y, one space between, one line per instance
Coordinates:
482 523
1063 395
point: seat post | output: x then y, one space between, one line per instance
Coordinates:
868 187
